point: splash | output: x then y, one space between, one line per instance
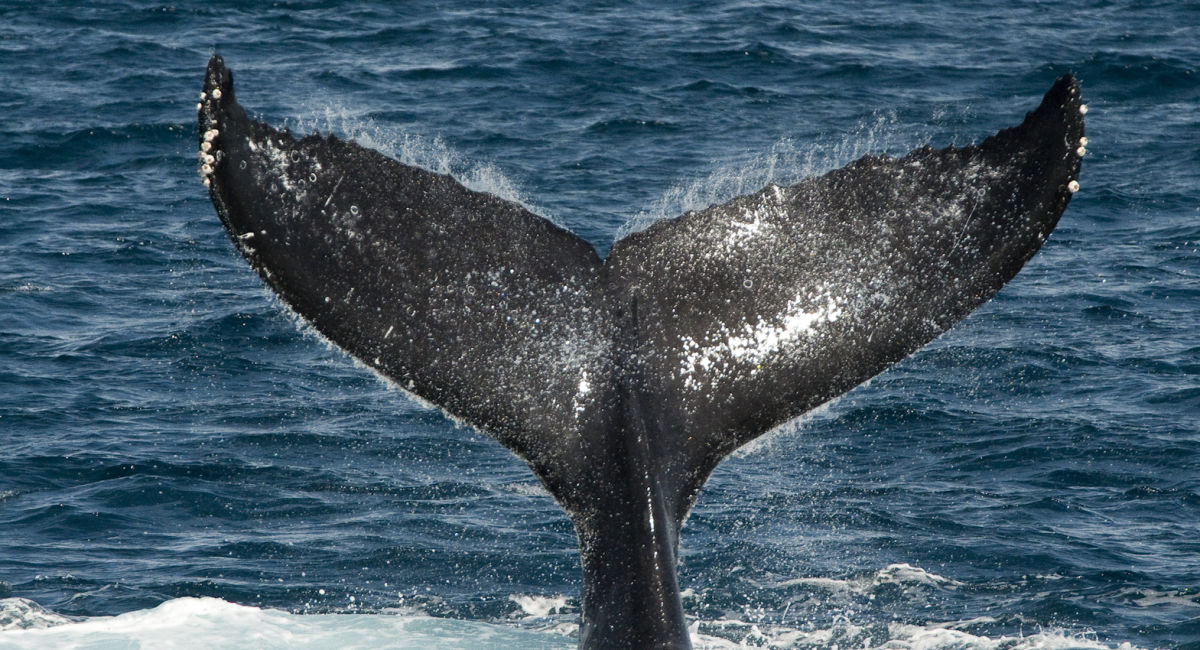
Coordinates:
430 153
540 606
784 164
24 614
215 623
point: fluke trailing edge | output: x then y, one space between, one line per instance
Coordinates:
622 382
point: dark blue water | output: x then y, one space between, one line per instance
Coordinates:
166 429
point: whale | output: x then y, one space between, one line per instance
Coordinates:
623 381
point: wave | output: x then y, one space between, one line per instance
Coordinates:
215 623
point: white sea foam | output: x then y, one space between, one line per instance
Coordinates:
203 623
24 614
907 574
26 287
902 574
527 489
214 623
540 606
1153 598
899 636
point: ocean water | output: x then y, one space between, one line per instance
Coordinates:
182 465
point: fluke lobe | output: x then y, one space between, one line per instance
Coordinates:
622 382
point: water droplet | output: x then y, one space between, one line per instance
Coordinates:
312 178
295 156
242 165
354 209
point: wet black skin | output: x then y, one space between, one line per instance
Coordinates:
622 382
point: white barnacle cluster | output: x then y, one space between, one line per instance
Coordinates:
1073 186
747 346
1080 151
206 155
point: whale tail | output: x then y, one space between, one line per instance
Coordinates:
622 382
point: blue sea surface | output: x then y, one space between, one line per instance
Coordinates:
169 432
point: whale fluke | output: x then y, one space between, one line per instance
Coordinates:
623 382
